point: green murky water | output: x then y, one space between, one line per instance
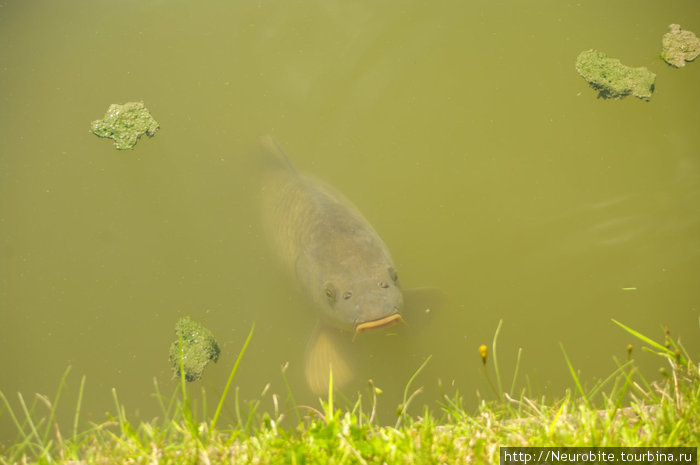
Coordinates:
460 129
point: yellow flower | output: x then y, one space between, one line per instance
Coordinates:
483 351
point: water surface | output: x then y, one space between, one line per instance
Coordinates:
460 129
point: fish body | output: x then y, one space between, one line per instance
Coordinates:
337 258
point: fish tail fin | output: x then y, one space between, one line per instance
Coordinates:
321 356
273 148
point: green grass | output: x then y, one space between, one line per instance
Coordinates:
623 409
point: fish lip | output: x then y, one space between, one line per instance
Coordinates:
378 323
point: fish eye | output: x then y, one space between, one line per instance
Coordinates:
383 284
347 295
392 274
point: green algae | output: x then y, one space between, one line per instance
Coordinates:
125 123
679 46
613 79
195 346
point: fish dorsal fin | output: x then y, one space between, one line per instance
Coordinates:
322 355
271 146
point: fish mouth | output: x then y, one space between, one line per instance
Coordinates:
387 320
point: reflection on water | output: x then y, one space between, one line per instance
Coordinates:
460 130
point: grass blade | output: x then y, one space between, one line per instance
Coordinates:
612 375
54 405
641 336
29 418
77 410
495 359
420 368
406 400
515 375
290 396
230 379
574 375
329 410
15 420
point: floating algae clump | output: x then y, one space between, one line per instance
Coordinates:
613 79
679 46
198 347
125 124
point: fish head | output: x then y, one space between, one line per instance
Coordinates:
365 301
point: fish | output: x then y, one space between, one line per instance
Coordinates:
339 261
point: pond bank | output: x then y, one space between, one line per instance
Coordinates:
622 410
